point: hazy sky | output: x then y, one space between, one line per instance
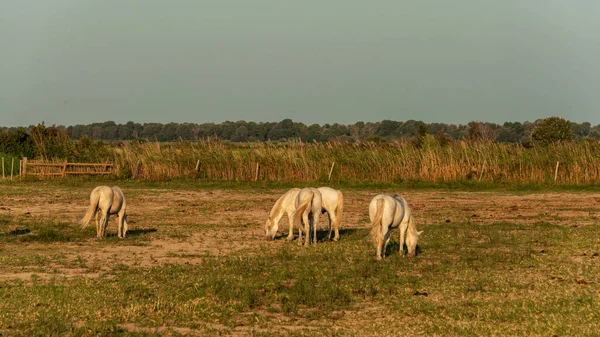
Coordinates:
82 61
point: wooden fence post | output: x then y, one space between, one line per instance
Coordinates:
12 164
198 166
330 171
2 168
24 172
256 175
482 170
556 171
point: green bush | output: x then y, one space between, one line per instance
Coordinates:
551 130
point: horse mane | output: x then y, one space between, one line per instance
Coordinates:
277 207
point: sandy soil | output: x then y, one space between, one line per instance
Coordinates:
188 225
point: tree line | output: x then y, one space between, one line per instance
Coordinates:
55 140
242 131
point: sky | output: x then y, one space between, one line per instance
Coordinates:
70 62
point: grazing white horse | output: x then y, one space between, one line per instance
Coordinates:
308 209
105 201
285 204
386 213
333 204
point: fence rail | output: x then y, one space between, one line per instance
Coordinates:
45 169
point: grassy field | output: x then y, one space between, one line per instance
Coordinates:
492 263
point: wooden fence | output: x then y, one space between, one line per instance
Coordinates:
8 168
48 170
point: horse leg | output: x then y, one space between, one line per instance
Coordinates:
379 244
98 215
120 226
403 228
290 236
106 224
102 225
385 237
336 227
306 229
300 234
124 224
315 224
329 234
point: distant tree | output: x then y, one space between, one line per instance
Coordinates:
511 132
419 137
314 133
125 131
482 132
595 132
284 129
580 131
150 131
550 130
388 128
109 131
412 128
241 134
184 131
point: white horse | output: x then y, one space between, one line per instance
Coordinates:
105 201
308 209
285 204
333 204
387 213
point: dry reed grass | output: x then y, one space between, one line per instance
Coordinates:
579 163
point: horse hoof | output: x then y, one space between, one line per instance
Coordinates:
290 238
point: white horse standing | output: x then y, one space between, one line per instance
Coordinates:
285 204
308 209
333 204
105 201
387 213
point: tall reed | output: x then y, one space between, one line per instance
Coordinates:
578 163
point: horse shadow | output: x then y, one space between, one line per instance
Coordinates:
393 247
18 232
134 232
141 231
322 234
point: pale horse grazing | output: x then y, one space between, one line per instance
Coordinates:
105 201
285 204
308 209
386 213
333 203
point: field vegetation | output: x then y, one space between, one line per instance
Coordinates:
196 263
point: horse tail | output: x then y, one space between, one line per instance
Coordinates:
339 209
91 211
300 210
376 232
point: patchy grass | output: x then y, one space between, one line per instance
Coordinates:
202 267
504 278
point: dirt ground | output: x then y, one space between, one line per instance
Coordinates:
186 225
